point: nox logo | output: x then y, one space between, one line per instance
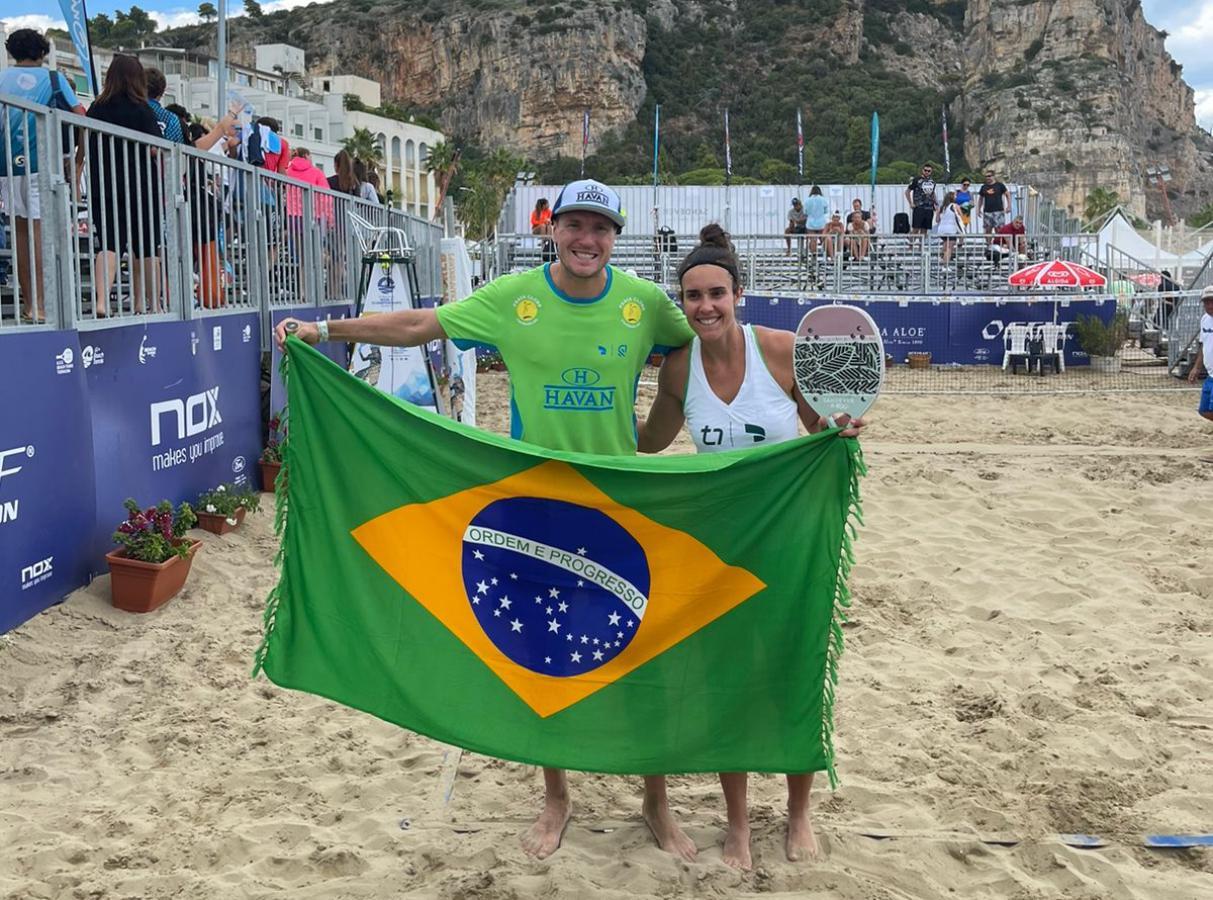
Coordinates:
39 571
194 415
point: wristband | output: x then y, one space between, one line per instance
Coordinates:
322 329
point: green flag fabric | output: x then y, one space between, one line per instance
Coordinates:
639 615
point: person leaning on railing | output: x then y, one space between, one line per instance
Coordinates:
28 80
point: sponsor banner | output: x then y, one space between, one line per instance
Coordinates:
403 372
175 410
337 351
456 285
977 329
47 503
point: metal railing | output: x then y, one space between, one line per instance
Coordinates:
135 228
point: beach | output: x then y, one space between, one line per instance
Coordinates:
1029 655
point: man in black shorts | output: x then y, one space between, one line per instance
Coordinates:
920 194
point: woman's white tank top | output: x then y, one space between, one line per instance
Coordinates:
761 413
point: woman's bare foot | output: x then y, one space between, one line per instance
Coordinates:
736 852
669 836
802 842
543 838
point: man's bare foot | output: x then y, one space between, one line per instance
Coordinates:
736 852
543 838
802 842
668 835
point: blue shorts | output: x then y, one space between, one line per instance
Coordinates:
1206 396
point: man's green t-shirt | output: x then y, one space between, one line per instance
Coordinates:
574 364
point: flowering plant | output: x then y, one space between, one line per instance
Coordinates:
225 499
273 446
155 534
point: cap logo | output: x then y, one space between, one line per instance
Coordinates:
590 195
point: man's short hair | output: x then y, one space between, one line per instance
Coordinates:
26 44
156 84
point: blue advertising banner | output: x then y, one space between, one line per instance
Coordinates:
334 350
977 330
176 410
47 501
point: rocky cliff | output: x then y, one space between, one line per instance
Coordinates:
1068 95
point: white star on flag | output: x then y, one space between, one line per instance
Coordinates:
613 618
553 593
516 626
564 607
497 611
477 554
513 576
505 601
547 660
554 626
575 657
549 610
475 601
595 642
597 654
493 582
481 587
619 634
538 599
569 636
631 623
580 583
581 551
585 639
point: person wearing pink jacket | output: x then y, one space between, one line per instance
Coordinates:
302 169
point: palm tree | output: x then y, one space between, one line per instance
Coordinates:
362 145
442 161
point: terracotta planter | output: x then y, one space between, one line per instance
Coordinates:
217 523
140 587
269 474
918 360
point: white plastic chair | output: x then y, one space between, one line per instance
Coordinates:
1055 342
1015 346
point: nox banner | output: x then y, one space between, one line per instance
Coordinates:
403 372
46 472
176 409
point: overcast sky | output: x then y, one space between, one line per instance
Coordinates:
1189 22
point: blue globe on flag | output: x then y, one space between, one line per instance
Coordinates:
559 588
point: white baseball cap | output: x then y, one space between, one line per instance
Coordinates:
588 195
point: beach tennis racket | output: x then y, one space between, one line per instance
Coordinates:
838 360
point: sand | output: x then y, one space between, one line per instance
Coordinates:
1030 653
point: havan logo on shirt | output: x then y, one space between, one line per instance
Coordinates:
579 391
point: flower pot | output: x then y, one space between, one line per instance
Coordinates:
918 360
139 587
1105 365
217 523
269 474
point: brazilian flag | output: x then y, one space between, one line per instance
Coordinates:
638 615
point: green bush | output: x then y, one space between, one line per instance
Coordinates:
1098 338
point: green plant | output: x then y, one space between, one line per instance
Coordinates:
1099 338
225 499
155 534
273 445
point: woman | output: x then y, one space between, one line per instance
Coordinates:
541 218
832 233
124 188
857 236
949 226
344 181
735 376
816 207
366 190
964 199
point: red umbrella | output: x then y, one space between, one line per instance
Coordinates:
1057 273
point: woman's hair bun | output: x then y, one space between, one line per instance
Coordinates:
713 235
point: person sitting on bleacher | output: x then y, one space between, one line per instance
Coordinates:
832 233
857 235
796 224
1011 237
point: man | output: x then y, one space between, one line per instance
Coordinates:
578 321
796 224
28 80
865 215
170 125
1011 236
920 194
993 204
1204 359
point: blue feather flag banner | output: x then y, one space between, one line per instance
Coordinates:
76 17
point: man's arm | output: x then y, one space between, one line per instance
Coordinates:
981 200
1198 366
909 200
404 328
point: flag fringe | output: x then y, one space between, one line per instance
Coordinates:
270 618
842 602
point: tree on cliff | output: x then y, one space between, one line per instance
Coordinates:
253 9
126 29
207 12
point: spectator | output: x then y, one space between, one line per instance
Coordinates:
964 200
858 232
1204 357
920 194
796 224
372 178
28 80
302 169
124 188
366 190
868 220
993 204
343 180
276 161
170 125
949 226
204 219
1011 236
816 208
541 218
832 233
